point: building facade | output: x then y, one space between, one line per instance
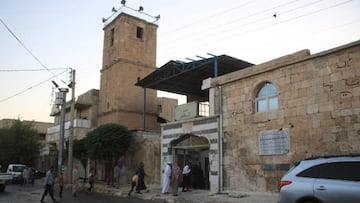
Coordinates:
266 117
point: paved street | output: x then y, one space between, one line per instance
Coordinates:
104 193
32 194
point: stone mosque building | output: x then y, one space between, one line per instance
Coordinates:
243 125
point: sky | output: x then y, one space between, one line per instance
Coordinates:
41 39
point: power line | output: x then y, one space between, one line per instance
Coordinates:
266 26
233 21
215 15
36 85
28 50
30 70
259 20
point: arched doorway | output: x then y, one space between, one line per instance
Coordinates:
193 149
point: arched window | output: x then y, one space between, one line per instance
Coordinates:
267 98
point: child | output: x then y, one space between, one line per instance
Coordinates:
91 181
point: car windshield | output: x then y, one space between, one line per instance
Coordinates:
18 168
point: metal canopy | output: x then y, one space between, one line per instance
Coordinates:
186 78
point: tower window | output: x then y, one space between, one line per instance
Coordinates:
112 37
139 32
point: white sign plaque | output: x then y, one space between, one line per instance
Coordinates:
274 142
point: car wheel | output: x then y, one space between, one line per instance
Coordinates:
309 201
2 188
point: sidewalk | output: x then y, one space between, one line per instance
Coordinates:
195 196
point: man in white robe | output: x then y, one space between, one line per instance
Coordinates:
166 178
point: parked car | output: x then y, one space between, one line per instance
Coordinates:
4 179
331 179
16 170
36 173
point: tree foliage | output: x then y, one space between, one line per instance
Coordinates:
19 143
107 142
80 151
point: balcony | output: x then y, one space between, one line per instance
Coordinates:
81 127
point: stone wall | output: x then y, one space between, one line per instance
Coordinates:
145 148
319 107
127 57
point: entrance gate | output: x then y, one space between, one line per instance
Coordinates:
193 149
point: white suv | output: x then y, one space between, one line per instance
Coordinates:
16 170
331 179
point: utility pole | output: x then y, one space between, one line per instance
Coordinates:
61 96
71 127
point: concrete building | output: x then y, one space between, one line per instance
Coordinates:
265 117
85 117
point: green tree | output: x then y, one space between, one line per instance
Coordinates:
108 142
19 143
80 152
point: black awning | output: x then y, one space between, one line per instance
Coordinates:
186 78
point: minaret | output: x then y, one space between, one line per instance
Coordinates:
129 55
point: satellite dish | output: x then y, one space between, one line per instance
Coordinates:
104 20
114 9
141 8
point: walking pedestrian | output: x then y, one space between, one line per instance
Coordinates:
175 179
141 175
75 179
26 175
166 179
116 175
49 185
32 175
60 181
186 177
134 182
91 182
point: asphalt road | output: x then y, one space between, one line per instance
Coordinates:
32 194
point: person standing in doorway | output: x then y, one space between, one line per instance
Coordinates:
166 178
186 177
175 179
49 185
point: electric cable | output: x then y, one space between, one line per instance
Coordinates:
30 70
265 26
214 15
249 23
31 87
28 50
233 21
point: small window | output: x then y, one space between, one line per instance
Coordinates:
267 98
112 37
139 32
160 108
